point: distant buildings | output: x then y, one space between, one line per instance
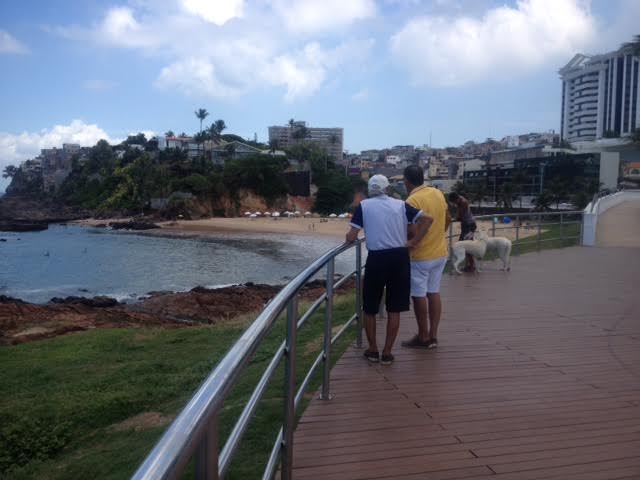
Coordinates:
331 139
55 164
600 96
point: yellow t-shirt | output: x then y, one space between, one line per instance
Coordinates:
431 201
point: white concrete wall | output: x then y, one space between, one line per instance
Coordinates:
609 169
591 213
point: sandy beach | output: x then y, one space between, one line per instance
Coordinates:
333 227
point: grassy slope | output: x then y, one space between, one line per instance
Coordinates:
60 398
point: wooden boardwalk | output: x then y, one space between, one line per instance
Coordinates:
537 376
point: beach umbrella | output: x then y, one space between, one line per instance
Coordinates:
253 215
266 214
296 213
247 214
333 215
306 214
275 214
257 214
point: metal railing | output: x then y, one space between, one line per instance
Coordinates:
525 222
195 431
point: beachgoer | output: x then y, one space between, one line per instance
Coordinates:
467 225
386 224
428 258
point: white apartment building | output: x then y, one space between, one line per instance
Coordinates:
331 139
600 96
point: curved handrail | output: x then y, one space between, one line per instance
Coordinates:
178 444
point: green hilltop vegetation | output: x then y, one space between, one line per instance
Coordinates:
124 178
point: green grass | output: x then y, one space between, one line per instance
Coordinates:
61 399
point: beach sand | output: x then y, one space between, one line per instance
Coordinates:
333 227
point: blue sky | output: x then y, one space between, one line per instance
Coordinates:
388 71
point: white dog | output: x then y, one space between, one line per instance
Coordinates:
460 249
502 246
478 248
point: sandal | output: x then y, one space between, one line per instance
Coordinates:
373 357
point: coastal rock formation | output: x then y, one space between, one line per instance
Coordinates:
133 225
35 210
23 322
22 226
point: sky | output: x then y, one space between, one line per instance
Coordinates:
390 72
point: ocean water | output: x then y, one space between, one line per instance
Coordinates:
74 260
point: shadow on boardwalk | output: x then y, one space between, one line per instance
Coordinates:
537 376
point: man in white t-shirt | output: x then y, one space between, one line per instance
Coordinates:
386 222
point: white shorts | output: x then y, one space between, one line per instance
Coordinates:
426 276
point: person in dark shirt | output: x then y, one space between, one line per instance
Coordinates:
386 221
467 225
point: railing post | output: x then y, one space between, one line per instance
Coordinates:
539 230
290 390
359 293
450 241
493 226
328 323
517 245
562 228
207 452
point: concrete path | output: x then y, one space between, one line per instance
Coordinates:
620 226
537 376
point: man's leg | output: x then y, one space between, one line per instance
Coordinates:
422 317
370 330
393 324
435 311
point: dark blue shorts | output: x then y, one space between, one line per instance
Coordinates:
390 269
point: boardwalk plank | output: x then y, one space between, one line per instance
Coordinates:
537 376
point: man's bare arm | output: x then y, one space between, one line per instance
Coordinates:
447 220
352 235
422 227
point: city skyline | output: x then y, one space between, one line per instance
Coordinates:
390 72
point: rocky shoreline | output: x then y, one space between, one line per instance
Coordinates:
22 322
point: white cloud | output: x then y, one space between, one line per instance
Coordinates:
302 73
194 77
8 44
463 50
213 59
313 16
219 12
14 148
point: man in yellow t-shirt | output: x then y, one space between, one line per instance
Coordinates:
428 258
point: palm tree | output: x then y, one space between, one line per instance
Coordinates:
169 133
216 129
201 114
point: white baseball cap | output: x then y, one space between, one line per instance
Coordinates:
377 185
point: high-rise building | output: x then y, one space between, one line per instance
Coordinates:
331 139
600 96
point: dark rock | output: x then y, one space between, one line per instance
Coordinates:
96 302
133 225
7 299
22 226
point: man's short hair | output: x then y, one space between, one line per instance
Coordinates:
414 175
453 196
